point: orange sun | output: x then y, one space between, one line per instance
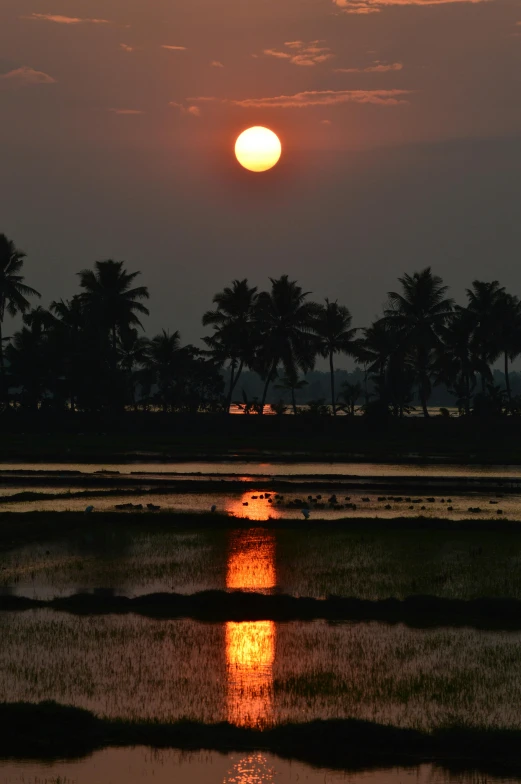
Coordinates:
258 149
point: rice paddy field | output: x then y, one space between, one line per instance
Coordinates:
257 673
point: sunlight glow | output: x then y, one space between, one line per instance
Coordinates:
250 645
258 149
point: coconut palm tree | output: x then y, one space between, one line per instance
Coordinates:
13 291
109 300
233 340
484 303
291 384
332 327
163 366
285 321
457 361
417 313
508 334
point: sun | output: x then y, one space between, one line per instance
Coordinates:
258 149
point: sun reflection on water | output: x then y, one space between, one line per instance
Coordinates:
250 645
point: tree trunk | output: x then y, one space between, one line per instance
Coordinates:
266 385
467 394
233 384
507 380
294 402
423 398
1 350
332 373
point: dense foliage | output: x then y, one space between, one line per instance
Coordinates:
87 354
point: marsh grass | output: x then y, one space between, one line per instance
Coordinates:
366 559
134 668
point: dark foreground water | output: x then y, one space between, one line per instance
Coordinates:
142 766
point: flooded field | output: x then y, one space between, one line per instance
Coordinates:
256 673
308 562
280 468
140 765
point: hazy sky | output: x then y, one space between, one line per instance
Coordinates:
400 122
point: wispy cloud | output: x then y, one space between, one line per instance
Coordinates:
375 68
65 20
216 64
127 48
24 77
302 53
189 108
126 111
375 6
315 98
172 48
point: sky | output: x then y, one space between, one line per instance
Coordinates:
400 123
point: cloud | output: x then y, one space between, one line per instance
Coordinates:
25 76
375 6
66 20
275 53
195 111
126 111
216 64
127 48
301 53
310 98
325 122
376 68
173 48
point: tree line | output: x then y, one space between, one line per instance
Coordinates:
89 354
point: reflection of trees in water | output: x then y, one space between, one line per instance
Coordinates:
250 645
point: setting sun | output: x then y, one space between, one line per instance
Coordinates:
258 149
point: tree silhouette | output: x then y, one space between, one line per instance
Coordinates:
291 384
484 301
109 300
13 291
508 334
285 323
457 361
332 325
417 314
233 340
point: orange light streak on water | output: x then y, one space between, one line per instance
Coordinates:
250 645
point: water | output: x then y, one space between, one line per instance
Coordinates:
256 468
140 766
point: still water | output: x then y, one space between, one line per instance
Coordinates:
140 766
256 468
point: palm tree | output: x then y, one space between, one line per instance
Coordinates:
291 384
164 366
332 326
508 333
484 301
285 331
233 339
374 350
457 361
13 291
418 313
132 352
109 299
